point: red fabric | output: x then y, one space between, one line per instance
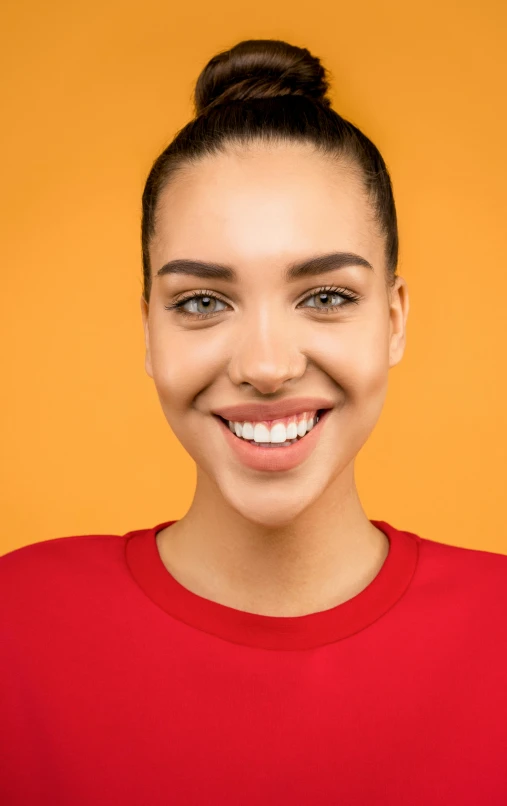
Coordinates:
119 686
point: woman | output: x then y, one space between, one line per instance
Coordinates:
274 645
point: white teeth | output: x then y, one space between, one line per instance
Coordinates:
292 430
302 428
279 434
248 431
261 433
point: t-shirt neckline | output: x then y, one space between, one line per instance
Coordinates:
274 632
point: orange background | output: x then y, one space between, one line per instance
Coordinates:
92 92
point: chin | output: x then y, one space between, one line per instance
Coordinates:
271 509
269 518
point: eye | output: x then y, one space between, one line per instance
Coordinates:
198 306
326 299
201 304
205 304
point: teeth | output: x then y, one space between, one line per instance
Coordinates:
276 445
302 427
261 433
248 431
281 433
292 429
278 433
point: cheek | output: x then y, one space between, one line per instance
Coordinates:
184 362
356 357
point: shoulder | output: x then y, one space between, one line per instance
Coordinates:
58 592
462 557
474 574
54 552
59 569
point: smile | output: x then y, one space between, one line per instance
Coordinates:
276 433
253 445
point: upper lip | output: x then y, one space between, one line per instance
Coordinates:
247 412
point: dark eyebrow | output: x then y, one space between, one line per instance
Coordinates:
295 271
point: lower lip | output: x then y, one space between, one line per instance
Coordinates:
274 459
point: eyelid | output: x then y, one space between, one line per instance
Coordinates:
201 292
347 293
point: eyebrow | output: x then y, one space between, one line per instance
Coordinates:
295 271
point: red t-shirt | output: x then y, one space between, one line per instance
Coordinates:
118 686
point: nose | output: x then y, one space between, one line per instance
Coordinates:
265 353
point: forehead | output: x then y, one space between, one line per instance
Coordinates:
265 202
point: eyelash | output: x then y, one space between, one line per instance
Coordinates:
349 296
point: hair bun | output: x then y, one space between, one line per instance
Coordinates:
260 68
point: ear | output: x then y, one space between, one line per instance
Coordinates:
398 311
144 315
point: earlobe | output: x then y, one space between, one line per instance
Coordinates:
144 316
398 321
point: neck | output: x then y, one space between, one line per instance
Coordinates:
327 555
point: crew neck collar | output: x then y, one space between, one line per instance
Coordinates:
274 632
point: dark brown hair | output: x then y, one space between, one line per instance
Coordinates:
269 90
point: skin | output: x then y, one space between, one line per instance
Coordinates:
294 542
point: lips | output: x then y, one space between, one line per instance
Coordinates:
258 412
273 459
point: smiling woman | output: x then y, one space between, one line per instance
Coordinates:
296 248
274 645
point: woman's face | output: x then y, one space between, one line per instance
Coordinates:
256 327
